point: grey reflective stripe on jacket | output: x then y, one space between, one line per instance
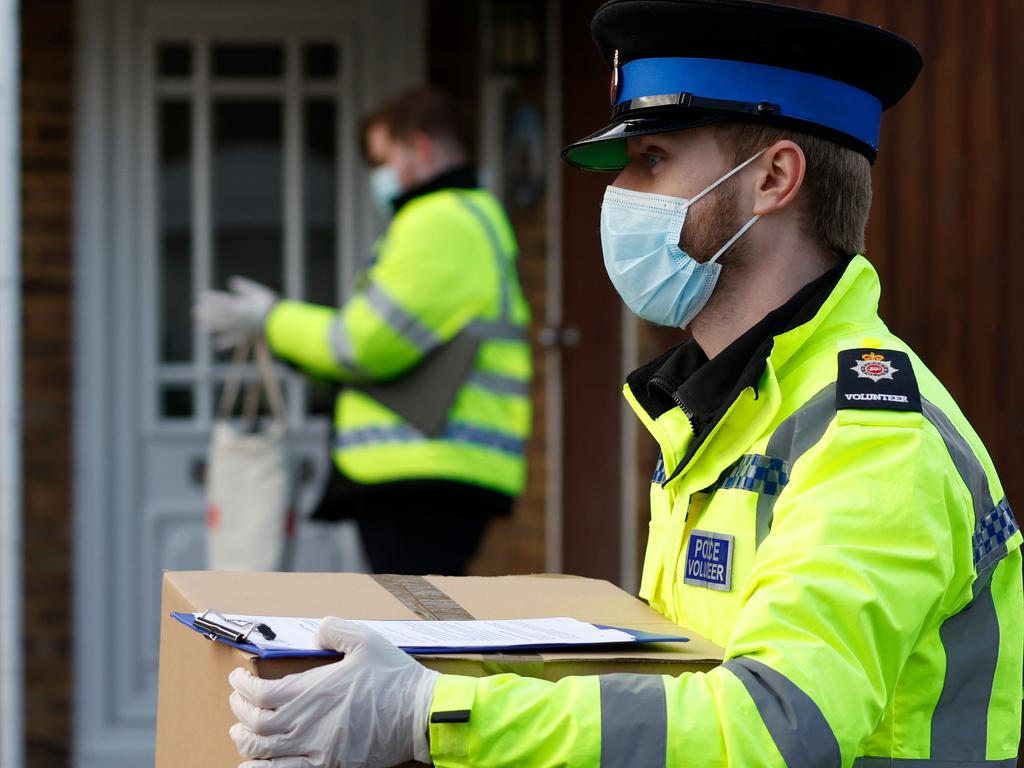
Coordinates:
497 330
501 257
455 432
970 638
400 321
909 762
767 475
499 385
634 721
799 730
341 347
801 430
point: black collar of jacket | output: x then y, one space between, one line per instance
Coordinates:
685 377
461 177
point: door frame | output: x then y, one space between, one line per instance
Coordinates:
12 735
107 396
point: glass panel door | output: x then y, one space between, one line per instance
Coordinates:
248 163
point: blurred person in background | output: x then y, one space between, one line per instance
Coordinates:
444 268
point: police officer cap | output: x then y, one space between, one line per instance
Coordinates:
680 64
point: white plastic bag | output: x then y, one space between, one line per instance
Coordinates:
250 520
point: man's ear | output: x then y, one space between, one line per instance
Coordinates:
424 149
782 167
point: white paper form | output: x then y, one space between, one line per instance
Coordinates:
297 634
508 633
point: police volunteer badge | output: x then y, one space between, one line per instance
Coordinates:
876 379
709 560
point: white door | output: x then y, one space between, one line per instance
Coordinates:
227 140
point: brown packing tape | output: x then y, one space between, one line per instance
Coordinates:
423 598
430 602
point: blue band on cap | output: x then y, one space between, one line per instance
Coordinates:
801 96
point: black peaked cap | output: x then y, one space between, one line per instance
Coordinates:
861 55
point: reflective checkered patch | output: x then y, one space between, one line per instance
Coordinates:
758 474
659 471
992 532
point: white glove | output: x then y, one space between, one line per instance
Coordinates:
368 710
236 315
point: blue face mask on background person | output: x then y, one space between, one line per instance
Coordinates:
658 280
385 188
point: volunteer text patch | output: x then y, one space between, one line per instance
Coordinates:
876 379
709 560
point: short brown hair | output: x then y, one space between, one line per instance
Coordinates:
425 110
836 193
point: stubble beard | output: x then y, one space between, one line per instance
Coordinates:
708 230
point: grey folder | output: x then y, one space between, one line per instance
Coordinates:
424 395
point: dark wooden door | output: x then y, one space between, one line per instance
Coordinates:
946 223
591 375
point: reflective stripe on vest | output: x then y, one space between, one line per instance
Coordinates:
498 250
341 346
497 330
634 721
456 433
400 321
498 384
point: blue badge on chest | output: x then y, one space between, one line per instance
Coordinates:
709 560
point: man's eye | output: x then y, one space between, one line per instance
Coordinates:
652 160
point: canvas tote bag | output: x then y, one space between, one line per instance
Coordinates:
250 520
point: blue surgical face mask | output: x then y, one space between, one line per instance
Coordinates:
385 188
658 280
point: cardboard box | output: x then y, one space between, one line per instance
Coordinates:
193 715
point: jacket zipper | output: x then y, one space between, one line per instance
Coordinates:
690 415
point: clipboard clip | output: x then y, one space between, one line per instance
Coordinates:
216 625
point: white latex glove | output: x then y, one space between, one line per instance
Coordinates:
236 315
368 710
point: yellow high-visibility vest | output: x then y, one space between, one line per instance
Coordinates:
446 264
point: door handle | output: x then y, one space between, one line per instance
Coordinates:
554 336
198 472
307 471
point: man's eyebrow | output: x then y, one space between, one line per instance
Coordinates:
642 145
638 145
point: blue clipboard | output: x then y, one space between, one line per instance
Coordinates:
188 620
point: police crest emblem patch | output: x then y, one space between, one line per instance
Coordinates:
874 366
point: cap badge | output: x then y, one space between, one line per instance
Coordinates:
616 79
874 366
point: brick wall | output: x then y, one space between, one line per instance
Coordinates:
46 98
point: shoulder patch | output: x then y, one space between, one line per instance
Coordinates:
876 379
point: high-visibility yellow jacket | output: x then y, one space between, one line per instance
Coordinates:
842 532
445 264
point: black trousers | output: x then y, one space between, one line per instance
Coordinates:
416 527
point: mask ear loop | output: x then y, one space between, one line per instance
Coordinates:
733 239
725 178
745 227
